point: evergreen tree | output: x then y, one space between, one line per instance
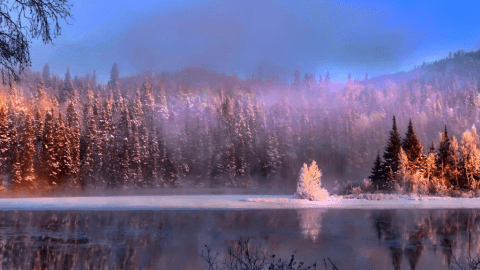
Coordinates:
107 141
136 158
5 145
122 150
27 154
67 89
411 144
50 166
391 154
90 165
272 163
378 174
445 155
73 137
114 81
63 152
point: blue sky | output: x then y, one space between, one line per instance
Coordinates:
235 37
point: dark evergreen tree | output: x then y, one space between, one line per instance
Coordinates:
114 81
67 89
411 144
445 157
5 145
391 154
378 177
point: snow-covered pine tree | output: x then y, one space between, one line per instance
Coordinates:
106 135
122 150
392 151
5 145
148 102
73 137
136 174
62 151
90 164
27 155
241 141
272 163
153 176
49 158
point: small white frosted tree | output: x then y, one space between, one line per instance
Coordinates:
309 184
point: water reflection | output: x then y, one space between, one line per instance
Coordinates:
367 239
408 234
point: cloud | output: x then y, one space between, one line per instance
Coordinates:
235 37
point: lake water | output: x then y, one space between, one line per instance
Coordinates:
352 239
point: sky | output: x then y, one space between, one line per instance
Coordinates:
236 37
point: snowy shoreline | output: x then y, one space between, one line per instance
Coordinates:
231 202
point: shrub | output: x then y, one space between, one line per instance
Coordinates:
309 184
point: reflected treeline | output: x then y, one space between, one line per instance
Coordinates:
408 234
407 239
128 239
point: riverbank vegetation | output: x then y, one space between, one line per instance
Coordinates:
452 168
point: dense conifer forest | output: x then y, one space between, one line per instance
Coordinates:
195 128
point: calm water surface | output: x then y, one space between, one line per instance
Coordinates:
352 239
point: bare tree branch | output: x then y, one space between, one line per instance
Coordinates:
20 23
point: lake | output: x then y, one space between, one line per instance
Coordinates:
174 239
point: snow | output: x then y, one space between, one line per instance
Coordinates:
232 202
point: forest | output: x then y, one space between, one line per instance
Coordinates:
196 128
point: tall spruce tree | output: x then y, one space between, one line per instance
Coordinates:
89 175
73 137
27 155
411 144
50 165
378 174
391 154
445 158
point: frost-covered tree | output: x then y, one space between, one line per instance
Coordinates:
27 154
471 157
136 174
50 165
62 151
73 137
309 185
5 144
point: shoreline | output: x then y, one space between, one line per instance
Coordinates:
231 202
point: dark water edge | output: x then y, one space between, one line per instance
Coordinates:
353 239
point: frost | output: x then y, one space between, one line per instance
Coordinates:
309 184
